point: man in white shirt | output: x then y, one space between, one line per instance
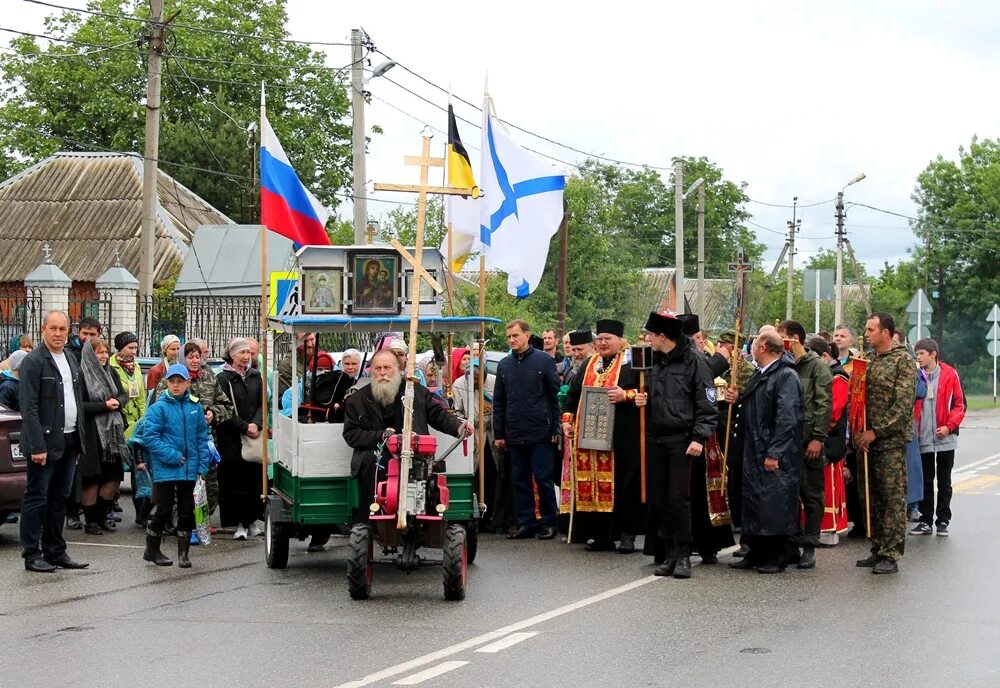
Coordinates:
50 403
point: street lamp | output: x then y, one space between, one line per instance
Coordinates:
838 315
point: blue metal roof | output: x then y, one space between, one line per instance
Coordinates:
341 323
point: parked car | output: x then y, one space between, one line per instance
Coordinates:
13 463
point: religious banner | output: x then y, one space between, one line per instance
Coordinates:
715 484
597 419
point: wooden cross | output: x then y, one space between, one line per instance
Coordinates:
425 162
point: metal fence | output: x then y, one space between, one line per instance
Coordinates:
212 318
94 304
20 313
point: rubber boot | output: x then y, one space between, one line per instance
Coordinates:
669 564
683 567
183 548
153 552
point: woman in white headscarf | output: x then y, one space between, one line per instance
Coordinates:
169 346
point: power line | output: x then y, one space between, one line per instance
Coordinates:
799 205
190 27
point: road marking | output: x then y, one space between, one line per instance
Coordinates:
504 643
962 469
977 484
105 544
432 657
442 668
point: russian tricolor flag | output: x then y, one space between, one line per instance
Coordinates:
286 206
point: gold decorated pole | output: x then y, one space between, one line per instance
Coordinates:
425 162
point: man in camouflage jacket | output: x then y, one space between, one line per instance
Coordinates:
890 392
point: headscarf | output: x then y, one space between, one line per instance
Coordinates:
165 342
238 344
101 387
456 358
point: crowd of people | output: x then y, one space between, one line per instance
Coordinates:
697 443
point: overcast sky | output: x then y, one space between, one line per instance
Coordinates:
794 98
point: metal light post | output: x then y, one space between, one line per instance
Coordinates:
838 308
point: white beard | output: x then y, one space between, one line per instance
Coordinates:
385 392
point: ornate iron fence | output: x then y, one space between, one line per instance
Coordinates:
212 318
21 312
91 303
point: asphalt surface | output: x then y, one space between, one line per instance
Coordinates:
536 613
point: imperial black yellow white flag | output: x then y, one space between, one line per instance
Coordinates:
462 213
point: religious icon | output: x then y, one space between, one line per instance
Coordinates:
322 291
376 284
427 293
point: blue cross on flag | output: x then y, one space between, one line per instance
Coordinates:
521 207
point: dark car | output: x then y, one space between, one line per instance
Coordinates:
13 463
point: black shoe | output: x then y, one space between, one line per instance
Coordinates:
627 544
808 558
708 559
856 532
183 549
153 552
522 533
794 554
115 506
868 562
107 526
667 568
683 568
600 546
742 551
547 533
770 568
74 523
64 562
93 529
942 529
38 565
885 566
743 563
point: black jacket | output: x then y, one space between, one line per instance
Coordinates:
682 396
248 408
772 415
9 393
526 399
365 420
42 412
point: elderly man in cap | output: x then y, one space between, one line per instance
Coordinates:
682 416
603 487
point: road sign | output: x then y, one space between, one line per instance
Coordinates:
917 332
993 348
825 285
994 315
994 332
920 305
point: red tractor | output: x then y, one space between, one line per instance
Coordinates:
407 514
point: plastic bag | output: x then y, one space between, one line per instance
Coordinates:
143 485
214 458
201 516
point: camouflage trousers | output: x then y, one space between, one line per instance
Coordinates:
887 497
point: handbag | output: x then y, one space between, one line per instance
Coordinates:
251 450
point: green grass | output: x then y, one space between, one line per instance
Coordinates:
981 402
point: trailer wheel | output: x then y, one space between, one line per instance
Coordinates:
471 540
454 560
275 541
360 562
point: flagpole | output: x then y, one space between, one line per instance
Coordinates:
263 313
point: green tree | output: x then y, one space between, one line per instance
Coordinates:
75 95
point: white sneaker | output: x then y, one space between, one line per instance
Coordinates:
240 534
254 530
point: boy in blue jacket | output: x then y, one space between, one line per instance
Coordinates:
176 443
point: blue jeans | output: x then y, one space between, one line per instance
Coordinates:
43 510
527 460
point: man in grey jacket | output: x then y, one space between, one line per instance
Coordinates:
817 401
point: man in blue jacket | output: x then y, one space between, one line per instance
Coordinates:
526 423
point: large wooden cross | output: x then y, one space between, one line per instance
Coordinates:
425 162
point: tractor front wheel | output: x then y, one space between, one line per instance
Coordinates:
360 562
275 541
454 560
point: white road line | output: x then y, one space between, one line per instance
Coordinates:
962 469
442 668
432 657
504 643
105 544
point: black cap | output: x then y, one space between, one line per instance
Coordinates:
668 325
578 337
536 342
614 327
690 323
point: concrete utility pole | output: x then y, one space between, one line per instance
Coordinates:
679 305
563 269
701 249
152 148
793 226
358 136
838 303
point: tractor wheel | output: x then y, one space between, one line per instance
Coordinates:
471 540
454 560
360 562
275 541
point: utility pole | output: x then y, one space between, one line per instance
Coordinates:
152 147
838 309
679 305
563 272
793 227
701 250
358 136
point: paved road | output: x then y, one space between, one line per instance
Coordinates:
537 613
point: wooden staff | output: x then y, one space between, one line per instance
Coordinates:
642 440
